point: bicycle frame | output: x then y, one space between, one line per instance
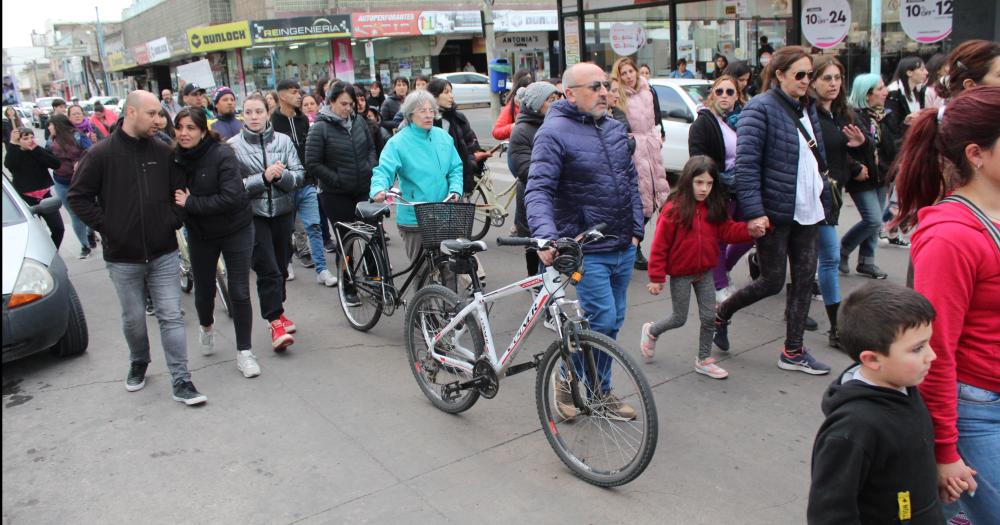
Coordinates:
551 287
494 207
389 292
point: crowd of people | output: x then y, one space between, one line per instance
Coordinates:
769 164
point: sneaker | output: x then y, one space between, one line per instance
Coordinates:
279 337
92 239
640 260
616 408
803 362
647 343
246 362
845 265
710 369
872 271
84 252
564 400
288 324
721 295
330 246
351 300
291 273
306 260
207 340
185 392
721 338
899 241
136 376
326 278
811 324
834 339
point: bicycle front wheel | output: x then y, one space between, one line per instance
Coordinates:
483 218
429 311
612 439
361 282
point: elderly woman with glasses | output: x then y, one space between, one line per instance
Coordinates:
424 159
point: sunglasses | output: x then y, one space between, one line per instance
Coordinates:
830 78
594 86
728 92
799 75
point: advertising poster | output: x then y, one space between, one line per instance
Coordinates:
343 60
198 72
825 23
926 21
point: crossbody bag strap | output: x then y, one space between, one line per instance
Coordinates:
813 145
991 228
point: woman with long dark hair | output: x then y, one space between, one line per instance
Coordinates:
937 70
740 71
376 95
972 63
69 145
780 189
166 128
508 114
955 152
219 223
906 95
457 125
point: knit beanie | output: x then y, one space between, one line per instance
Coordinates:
536 94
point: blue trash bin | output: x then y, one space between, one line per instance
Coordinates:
499 72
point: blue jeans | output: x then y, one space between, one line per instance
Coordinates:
162 277
307 204
79 228
602 294
829 257
864 234
979 446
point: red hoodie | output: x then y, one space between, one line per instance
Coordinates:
956 266
679 251
505 123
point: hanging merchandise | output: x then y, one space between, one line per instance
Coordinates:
825 23
926 22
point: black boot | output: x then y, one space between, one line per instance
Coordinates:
831 313
640 260
753 265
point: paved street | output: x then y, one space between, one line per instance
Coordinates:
337 431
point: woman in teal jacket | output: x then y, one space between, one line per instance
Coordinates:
426 162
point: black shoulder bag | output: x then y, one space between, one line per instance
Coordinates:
824 170
991 228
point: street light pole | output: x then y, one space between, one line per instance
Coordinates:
491 52
100 52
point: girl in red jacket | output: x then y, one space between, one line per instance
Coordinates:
686 247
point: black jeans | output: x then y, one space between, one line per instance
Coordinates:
52 219
340 207
787 244
531 261
235 250
271 249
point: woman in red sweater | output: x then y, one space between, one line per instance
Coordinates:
508 114
686 247
956 263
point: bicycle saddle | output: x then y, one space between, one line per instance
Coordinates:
462 247
371 211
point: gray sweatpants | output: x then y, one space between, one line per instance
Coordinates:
680 294
162 277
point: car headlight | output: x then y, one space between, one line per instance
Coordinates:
33 283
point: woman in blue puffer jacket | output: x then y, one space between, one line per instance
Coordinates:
781 186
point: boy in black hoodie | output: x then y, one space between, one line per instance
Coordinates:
873 459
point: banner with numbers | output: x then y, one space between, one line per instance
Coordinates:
926 21
825 23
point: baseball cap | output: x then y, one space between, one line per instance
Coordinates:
191 88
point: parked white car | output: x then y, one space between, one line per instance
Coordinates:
680 99
469 88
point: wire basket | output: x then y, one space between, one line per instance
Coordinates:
442 221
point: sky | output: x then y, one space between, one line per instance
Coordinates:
21 16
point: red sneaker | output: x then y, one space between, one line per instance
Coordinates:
280 338
287 323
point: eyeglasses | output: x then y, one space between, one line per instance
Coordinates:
799 75
728 92
830 78
594 86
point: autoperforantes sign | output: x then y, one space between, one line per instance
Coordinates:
219 37
396 23
301 28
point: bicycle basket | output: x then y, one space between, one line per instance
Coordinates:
441 221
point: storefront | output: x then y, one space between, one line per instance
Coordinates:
529 40
304 49
658 33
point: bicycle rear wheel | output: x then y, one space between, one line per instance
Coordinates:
601 444
483 218
429 311
361 282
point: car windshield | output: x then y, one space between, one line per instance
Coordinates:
11 213
697 92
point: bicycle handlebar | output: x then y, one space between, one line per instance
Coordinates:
592 234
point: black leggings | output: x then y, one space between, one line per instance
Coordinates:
340 207
236 250
271 248
531 261
787 244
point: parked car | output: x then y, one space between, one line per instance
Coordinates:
44 111
469 88
108 102
41 309
679 102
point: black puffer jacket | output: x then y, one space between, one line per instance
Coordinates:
466 143
388 111
705 138
341 159
218 205
522 138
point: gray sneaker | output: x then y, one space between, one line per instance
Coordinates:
136 376
207 340
185 392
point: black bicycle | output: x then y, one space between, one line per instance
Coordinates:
368 284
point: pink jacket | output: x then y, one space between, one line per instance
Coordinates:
653 185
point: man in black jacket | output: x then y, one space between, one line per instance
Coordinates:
124 188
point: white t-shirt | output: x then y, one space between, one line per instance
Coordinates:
809 184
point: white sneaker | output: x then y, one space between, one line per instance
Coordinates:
291 273
326 278
721 295
247 363
207 340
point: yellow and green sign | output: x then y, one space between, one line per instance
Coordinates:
219 37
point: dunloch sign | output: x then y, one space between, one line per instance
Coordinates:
301 28
219 37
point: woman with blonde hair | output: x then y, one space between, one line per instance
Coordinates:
636 100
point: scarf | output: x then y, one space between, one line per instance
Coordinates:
84 127
190 155
731 117
876 115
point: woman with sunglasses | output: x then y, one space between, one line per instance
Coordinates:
868 188
713 134
845 146
636 100
780 189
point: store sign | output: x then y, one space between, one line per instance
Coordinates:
514 41
926 21
117 61
511 21
66 51
398 23
219 37
301 28
445 22
141 54
626 39
158 50
825 23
